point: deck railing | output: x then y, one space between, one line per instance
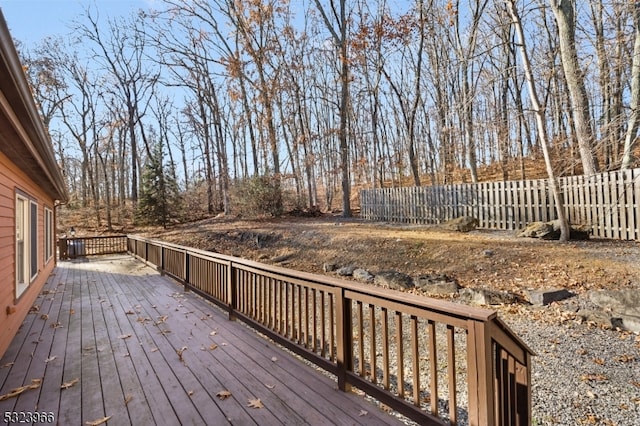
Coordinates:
436 362
70 248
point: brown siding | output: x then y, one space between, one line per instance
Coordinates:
12 179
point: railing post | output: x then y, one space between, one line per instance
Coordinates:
480 362
344 337
186 271
63 248
231 291
161 265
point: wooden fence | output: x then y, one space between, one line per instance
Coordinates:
607 202
434 361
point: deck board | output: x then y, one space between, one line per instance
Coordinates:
141 379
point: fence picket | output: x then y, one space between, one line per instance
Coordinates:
606 202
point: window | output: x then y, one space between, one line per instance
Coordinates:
48 234
26 242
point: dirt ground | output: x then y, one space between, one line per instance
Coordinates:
494 260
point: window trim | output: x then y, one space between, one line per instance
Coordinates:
29 269
48 234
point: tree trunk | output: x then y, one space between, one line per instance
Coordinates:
563 11
540 121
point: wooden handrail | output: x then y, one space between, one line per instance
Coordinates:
367 336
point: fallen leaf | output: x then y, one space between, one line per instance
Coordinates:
213 346
593 377
180 352
130 312
155 350
9 364
67 385
124 336
190 393
48 360
163 332
255 403
126 355
127 399
363 413
162 319
625 358
223 394
213 333
34 308
598 361
270 386
72 311
35 384
274 359
98 421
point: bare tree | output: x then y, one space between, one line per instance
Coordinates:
538 110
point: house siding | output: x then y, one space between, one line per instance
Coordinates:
12 180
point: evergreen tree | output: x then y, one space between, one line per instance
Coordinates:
159 202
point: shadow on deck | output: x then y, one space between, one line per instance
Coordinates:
112 338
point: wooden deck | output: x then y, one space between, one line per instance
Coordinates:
131 345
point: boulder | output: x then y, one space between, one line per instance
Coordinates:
487 297
622 302
551 231
362 275
462 224
393 280
542 230
346 271
436 284
546 296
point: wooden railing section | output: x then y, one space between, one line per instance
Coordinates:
73 247
436 362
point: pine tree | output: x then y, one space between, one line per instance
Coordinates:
159 202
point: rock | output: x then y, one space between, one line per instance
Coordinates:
282 258
394 280
462 224
486 297
546 296
629 322
362 275
329 267
488 253
542 230
436 284
624 302
346 271
598 317
551 231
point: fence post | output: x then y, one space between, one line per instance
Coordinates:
344 337
63 248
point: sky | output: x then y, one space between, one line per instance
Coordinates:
30 21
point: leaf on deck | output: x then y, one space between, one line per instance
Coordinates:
162 319
7 365
72 311
124 336
213 346
274 358
130 312
98 421
270 386
44 317
363 413
127 399
223 394
213 333
180 352
48 360
35 383
255 403
55 325
67 385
